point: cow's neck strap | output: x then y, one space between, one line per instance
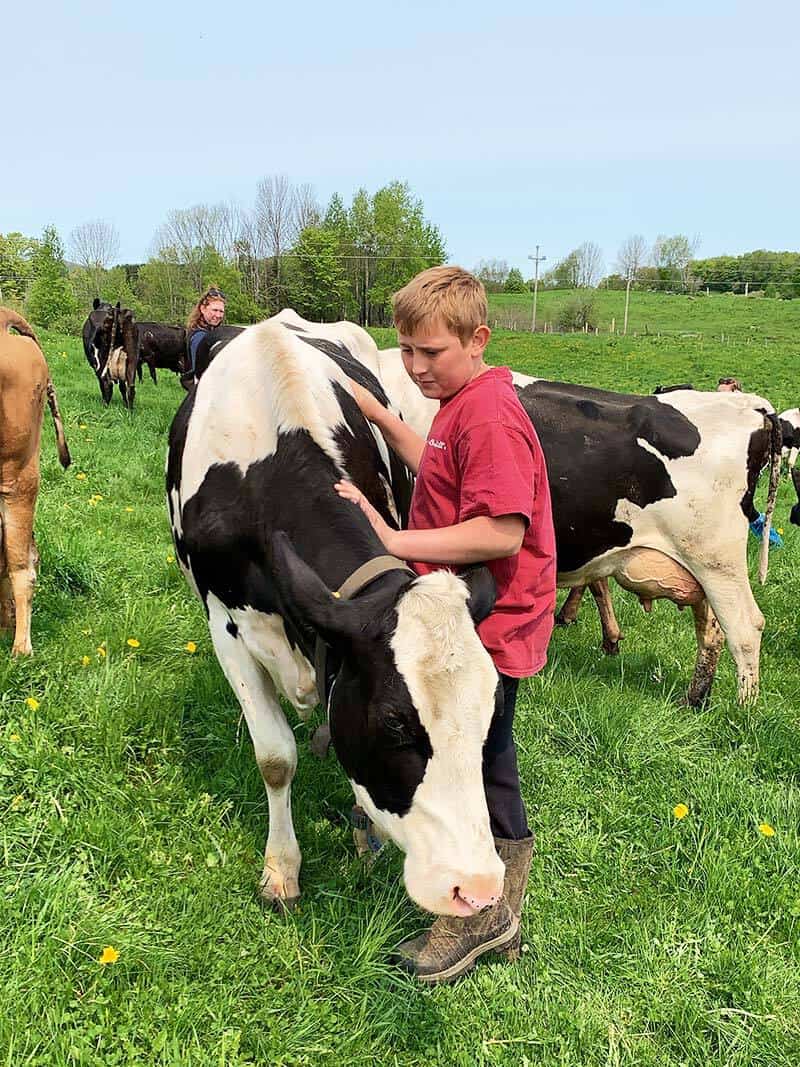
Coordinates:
360 578
367 573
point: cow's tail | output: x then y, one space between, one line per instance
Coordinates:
64 457
9 318
775 449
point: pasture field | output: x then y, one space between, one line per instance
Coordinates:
133 815
715 316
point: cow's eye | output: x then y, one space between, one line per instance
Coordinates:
396 729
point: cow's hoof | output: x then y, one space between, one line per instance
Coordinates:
611 648
321 741
279 904
21 650
561 620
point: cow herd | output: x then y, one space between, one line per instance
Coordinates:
116 346
302 603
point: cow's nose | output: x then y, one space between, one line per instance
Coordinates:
477 901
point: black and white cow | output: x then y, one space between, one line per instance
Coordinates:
109 342
162 347
265 542
657 492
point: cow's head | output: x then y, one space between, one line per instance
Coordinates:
409 713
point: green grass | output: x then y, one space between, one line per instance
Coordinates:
133 814
718 316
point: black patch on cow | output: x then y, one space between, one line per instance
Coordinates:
757 459
177 443
291 326
161 347
661 389
210 346
375 728
590 438
232 628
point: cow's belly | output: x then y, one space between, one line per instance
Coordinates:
266 640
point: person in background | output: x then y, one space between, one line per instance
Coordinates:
729 385
205 316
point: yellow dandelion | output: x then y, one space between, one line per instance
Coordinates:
85 661
190 646
83 426
101 652
17 802
81 476
133 642
170 559
32 703
780 531
15 737
109 955
680 811
129 509
766 829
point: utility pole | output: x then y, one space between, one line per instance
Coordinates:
537 259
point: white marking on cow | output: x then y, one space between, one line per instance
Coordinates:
96 357
452 681
275 751
265 370
792 416
266 640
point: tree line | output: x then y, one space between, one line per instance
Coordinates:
668 265
343 261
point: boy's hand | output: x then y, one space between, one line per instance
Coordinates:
371 408
381 528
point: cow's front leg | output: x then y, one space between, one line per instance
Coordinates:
276 755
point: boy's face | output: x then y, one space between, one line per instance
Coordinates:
439 362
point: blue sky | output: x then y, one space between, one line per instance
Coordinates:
514 125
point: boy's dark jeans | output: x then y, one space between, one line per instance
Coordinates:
500 774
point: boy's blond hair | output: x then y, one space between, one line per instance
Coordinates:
451 294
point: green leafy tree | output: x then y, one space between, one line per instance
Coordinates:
320 288
17 254
50 301
515 283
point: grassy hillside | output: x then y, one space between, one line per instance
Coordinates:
743 318
133 815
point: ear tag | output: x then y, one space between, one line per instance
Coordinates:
337 595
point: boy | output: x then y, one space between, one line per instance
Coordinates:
481 495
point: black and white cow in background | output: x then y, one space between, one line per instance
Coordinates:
657 492
162 347
265 542
109 342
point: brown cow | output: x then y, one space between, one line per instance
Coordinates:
24 384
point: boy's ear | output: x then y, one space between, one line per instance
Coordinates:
481 337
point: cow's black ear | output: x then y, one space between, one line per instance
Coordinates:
482 592
96 303
306 596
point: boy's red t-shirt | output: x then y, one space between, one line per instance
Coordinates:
483 457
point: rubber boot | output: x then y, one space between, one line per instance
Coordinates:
452 945
516 855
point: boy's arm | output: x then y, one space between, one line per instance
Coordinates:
399 437
475 540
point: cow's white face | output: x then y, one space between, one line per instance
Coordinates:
451 865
